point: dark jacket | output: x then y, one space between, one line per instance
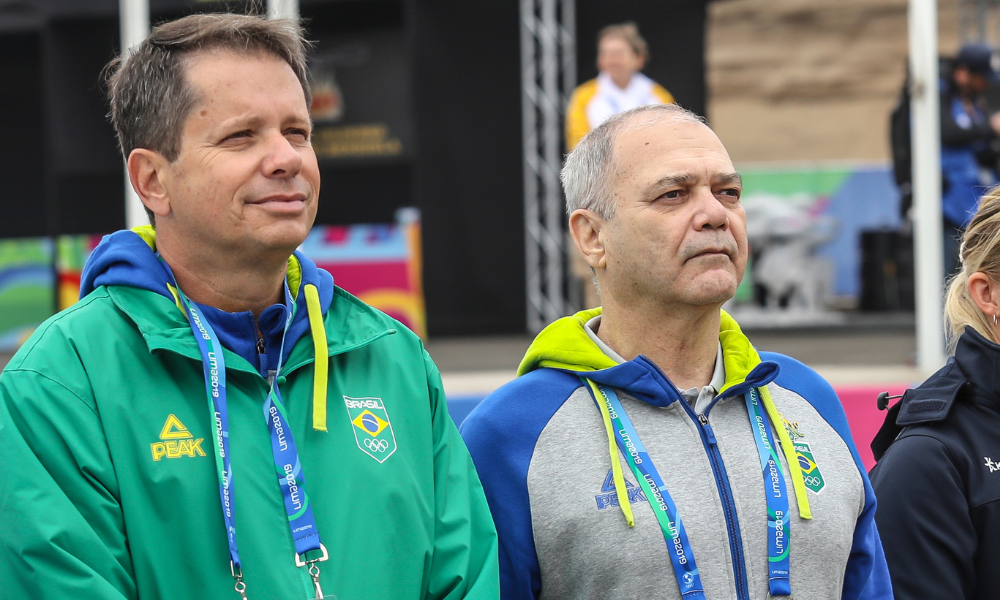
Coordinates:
938 479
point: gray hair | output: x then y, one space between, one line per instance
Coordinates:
149 95
588 175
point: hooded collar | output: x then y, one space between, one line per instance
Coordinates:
349 324
973 375
142 286
975 368
128 259
565 345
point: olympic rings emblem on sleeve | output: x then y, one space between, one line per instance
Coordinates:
376 445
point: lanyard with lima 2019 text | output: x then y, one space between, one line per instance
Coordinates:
778 580
681 555
283 450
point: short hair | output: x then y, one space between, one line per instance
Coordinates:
629 32
980 253
149 94
588 176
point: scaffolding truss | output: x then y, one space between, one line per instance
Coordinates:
548 76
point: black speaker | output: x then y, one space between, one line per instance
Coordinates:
886 271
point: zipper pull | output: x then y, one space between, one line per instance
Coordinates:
708 429
261 349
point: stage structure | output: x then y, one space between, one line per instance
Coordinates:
417 103
548 60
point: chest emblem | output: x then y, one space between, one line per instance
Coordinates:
176 441
994 466
609 499
371 425
811 475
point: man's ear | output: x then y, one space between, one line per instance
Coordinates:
146 170
985 293
585 228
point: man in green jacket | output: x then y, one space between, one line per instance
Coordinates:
215 419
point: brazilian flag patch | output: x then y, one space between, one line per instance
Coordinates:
372 429
811 475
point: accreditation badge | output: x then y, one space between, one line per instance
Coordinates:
371 425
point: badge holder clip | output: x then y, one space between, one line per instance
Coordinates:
241 588
314 571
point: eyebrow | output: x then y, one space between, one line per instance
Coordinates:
727 178
253 122
685 178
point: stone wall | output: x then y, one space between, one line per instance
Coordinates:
801 80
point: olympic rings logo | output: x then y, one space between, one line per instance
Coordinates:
812 480
376 445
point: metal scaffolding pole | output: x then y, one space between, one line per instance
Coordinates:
133 17
282 9
928 232
548 74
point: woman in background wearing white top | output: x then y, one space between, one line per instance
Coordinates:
621 55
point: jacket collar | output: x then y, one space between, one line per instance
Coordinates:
565 345
349 324
973 369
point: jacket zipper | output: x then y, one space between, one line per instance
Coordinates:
728 505
721 478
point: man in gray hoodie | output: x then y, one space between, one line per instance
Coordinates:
646 447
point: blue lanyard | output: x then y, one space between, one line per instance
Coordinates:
666 512
283 450
777 500
688 578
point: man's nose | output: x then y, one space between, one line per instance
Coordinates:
283 158
711 214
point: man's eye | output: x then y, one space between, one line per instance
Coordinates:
237 135
731 192
299 133
673 194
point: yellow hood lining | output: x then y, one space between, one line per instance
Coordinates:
564 344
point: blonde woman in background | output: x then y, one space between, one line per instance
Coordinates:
938 474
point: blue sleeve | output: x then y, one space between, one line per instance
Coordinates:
501 434
867 575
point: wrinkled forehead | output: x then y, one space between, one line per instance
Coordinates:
664 142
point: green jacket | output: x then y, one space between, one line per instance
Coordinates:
109 489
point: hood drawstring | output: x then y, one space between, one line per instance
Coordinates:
321 364
616 468
805 512
791 456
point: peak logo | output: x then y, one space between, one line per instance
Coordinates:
609 499
176 442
